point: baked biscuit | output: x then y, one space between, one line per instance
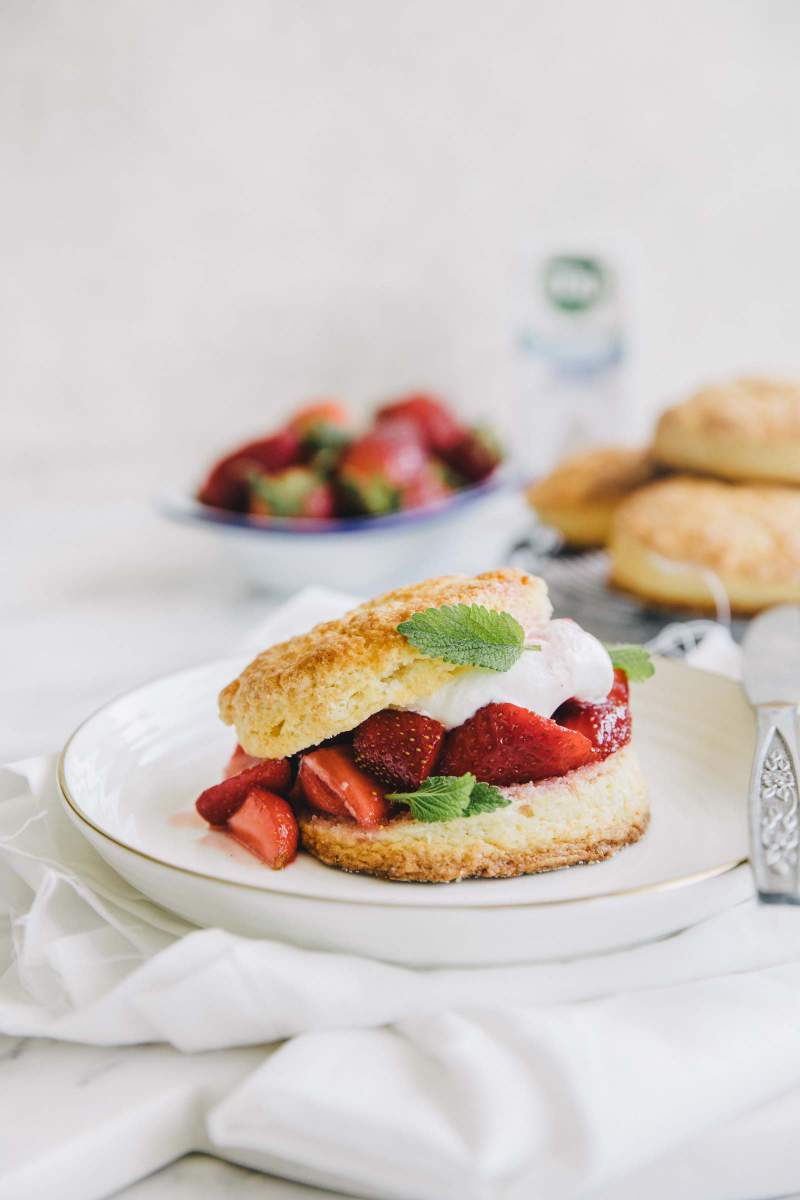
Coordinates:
680 541
325 682
748 429
581 817
579 498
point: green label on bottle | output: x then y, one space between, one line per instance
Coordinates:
574 283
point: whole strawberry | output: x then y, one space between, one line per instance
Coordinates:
375 470
398 748
226 485
475 455
295 492
435 423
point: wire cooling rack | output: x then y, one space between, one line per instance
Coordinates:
578 586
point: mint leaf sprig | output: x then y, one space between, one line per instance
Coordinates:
445 797
467 634
634 660
475 636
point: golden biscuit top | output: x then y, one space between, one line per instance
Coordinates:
756 409
329 680
604 474
734 529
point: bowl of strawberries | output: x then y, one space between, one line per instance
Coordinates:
322 500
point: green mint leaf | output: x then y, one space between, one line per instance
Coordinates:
466 634
445 797
438 798
485 798
635 661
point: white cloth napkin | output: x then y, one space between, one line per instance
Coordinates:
672 1067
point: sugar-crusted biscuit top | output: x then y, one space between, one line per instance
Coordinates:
754 409
735 529
605 473
325 682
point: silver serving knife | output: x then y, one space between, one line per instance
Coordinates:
772 683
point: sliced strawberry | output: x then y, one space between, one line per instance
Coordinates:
506 744
226 484
330 781
398 748
295 492
607 725
475 455
218 803
376 468
266 826
240 760
437 426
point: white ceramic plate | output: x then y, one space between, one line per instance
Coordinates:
130 775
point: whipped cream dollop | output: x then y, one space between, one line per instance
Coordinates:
570 663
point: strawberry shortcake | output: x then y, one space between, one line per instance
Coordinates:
444 731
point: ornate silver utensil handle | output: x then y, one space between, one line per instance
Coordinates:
774 795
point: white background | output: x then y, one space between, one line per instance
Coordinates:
210 210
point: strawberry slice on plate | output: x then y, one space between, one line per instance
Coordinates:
217 804
436 424
607 725
266 826
399 748
330 781
240 760
505 744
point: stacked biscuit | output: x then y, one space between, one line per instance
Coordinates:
711 508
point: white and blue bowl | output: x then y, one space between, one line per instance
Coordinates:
470 531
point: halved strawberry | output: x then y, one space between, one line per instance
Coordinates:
226 484
266 826
506 744
607 725
475 455
330 781
437 426
295 492
218 803
398 748
376 468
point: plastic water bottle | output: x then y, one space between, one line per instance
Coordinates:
572 357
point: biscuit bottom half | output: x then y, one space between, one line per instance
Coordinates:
581 817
